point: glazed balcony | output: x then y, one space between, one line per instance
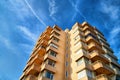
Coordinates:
102 77
46 66
55 34
33 69
84 66
80 55
53 41
117 71
80 39
48 56
51 48
102 68
55 30
96 55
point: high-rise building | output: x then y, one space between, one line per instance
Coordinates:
81 53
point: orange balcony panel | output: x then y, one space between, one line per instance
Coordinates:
34 68
37 59
95 55
45 66
102 77
80 55
50 57
102 68
31 77
41 51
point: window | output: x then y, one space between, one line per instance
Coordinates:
55 39
53 45
57 34
53 53
81 74
66 63
89 73
48 74
80 61
66 74
51 62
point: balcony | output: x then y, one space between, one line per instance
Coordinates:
43 78
80 55
89 32
45 66
52 41
51 48
37 59
50 57
54 35
91 39
95 55
102 77
117 71
93 46
33 69
84 66
102 68
31 77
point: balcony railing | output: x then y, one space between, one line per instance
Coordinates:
50 57
93 46
34 68
48 67
81 54
102 77
101 67
37 59
96 55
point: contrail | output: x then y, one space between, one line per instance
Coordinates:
76 9
34 13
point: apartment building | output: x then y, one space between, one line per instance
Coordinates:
81 53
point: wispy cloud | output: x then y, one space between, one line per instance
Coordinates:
6 42
75 6
27 33
109 9
34 13
52 9
114 35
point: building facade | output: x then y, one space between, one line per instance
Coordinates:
81 53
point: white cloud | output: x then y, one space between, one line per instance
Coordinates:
109 9
52 9
29 35
7 43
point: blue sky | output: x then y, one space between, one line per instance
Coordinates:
22 21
